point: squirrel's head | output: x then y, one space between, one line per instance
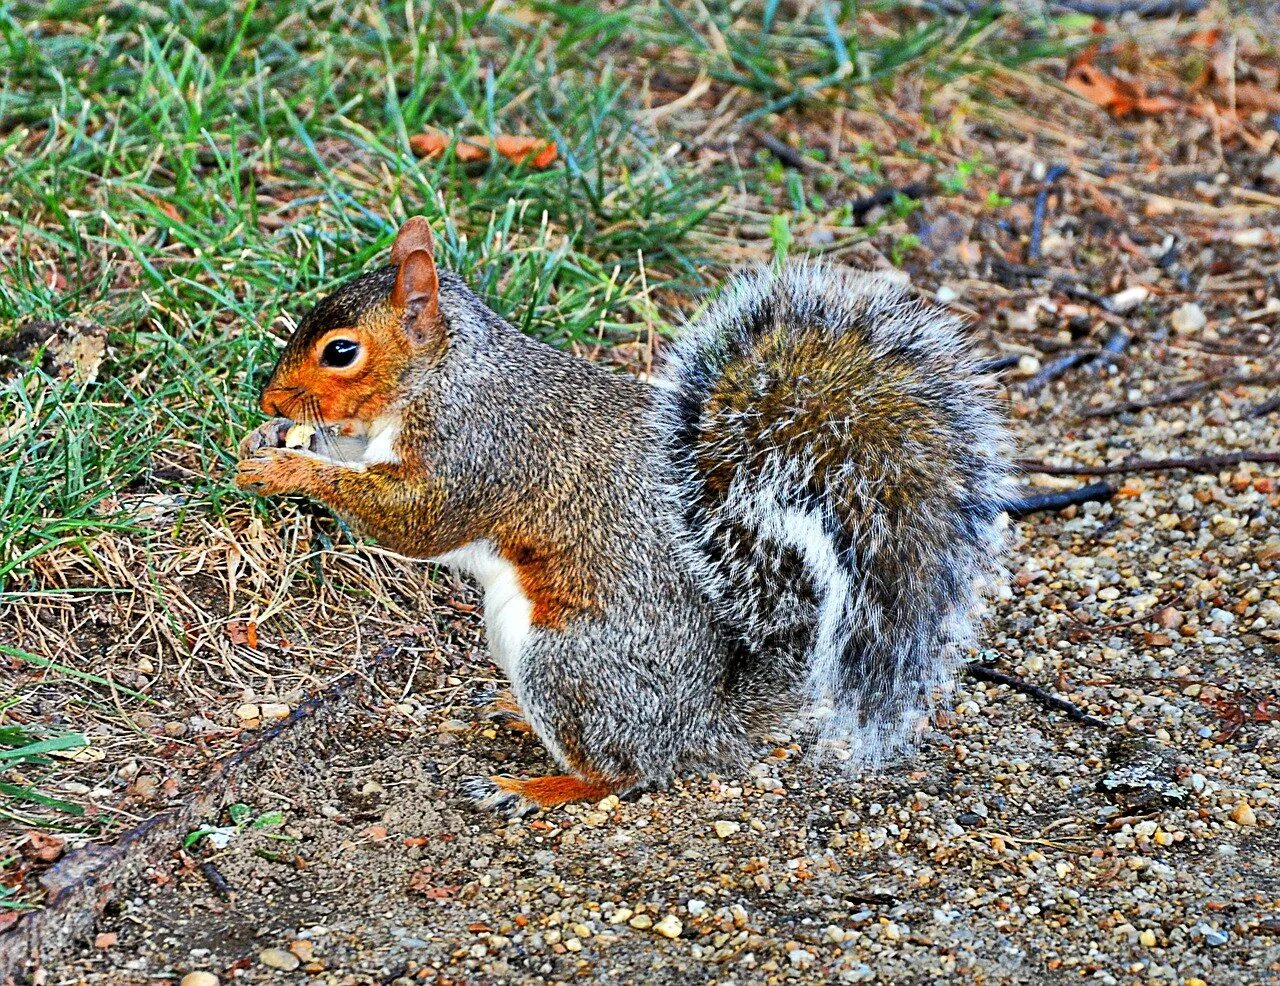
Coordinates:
349 353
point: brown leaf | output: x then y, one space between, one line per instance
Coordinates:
241 632
45 848
105 939
422 881
1118 97
168 208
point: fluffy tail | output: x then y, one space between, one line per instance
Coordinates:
840 467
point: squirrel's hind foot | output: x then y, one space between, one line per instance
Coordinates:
515 797
500 706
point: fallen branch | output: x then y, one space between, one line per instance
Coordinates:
1265 408
997 363
1184 392
1045 502
1056 368
783 151
1116 344
1201 463
1037 216
983 672
213 876
885 196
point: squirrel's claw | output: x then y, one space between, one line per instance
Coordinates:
270 471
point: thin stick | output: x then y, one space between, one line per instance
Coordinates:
1037 216
997 363
1056 368
982 672
1184 392
1041 502
884 196
784 152
1116 344
1202 463
1265 408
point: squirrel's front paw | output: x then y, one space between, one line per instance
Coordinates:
269 434
272 471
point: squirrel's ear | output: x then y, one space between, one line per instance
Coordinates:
414 235
417 291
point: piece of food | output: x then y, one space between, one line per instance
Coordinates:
299 436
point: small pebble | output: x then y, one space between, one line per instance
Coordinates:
199 979
669 927
724 829
1242 814
278 958
1188 319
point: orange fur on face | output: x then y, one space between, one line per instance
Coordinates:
303 388
390 321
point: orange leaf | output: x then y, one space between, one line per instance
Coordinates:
243 633
1117 96
532 151
45 848
168 208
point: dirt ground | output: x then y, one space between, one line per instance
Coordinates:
1019 846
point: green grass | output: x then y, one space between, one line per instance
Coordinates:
196 171
192 176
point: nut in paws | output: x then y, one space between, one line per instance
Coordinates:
269 434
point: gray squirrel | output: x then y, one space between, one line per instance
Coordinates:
794 529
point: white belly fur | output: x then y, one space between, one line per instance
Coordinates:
507 610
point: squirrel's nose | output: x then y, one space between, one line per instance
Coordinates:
270 403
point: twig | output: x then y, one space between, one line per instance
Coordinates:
209 870
1102 9
982 672
1116 344
1056 368
783 151
1041 502
1184 392
996 363
1202 463
886 195
1143 8
1037 216
1265 408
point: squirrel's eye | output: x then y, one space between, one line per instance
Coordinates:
340 353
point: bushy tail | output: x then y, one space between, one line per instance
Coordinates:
840 466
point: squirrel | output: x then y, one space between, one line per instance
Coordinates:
794 527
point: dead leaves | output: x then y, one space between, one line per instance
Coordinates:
42 848
534 152
1224 87
244 633
424 881
1118 97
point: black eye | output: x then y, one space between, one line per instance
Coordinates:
340 353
